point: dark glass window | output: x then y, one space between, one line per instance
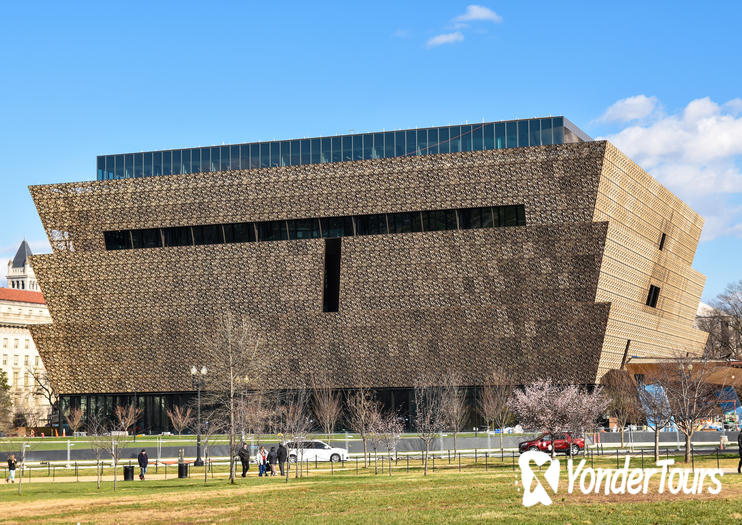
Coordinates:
129 166
489 136
245 157
254 156
305 151
195 160
149 238
272 231
455 136
521 210
147 164
295 152
546 138
275 154
433 141
337 227
337 150
357 147
265 155
475 218
208 234
285 153
411 142
438 220
331 288
177 236
101 167
138 165
368 146
371 224
422 142
303 229
477 137
118 240
500 141
110 165
205 159
399 149
405 222
654 294
378 150
508 216
557 128
119 170
186 161
234 157
535 133
347 148
512 134
522 133
314 144
662 241
167 162
389 144
466 132
176 163
444 141
215 158
326 151
239 232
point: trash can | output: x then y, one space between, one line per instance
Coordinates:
128 473
182 470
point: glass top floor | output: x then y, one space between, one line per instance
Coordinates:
342 148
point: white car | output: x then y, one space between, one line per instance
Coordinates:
316 449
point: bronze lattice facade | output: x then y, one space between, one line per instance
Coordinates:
560 296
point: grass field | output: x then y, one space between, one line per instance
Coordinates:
444 496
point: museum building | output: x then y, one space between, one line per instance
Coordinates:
521 249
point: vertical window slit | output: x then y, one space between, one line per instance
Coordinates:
331 295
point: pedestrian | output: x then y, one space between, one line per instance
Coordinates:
272 460
244 455
11 469
143 462
282 454
739 444
260 459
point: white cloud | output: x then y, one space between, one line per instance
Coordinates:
445 38
631 108
696 152
477 12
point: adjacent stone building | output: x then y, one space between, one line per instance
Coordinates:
520 248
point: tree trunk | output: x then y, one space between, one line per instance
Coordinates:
454 443
390 462
427 448
688 438
622 440
365 452
656 444
502 450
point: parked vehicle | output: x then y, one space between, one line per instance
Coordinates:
562 443
316 449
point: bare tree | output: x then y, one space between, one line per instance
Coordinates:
656 410
623 399
690 393
546 407
292 421
97 442
236 362
429 419
210 426
74 419
390 427
180 417
362 410
492 404
455 410
42 387
127 416
326 403
723 322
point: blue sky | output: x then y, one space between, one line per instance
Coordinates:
660 79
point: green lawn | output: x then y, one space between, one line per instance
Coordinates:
444 496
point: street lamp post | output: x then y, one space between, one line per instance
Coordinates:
198 379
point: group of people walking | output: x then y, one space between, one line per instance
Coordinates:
265 460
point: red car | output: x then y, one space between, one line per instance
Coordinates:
563 442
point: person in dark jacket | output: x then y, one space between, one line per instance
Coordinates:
272 460
244 455
739 443
282 455
143 462
11 469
